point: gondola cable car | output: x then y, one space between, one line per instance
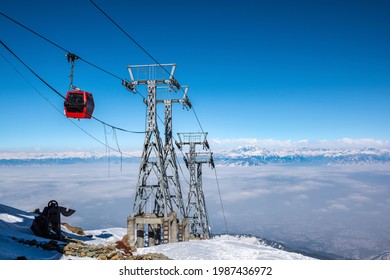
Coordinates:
78 104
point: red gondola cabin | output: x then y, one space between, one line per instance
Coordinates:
79 104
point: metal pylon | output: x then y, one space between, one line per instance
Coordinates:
153 192
152 162
170 162
196 204
170 159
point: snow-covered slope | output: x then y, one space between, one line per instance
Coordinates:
223 247
15 226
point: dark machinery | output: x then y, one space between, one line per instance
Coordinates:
48 223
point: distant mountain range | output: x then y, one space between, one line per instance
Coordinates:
253 155
34 158
242 156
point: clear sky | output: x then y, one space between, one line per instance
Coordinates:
283 70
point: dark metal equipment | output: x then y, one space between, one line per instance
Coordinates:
48 223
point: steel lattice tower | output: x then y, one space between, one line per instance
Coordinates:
170 160
154 204
196 204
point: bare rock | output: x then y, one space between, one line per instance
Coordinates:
77 230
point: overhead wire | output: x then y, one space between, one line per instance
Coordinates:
29 83
114 128
31 70
127 35
50 103
68 52
58 46
117 145
132 39
107 150
142 48
58 93
64 49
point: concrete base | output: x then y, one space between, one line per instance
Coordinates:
160 229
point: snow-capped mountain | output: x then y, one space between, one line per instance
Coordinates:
241 156
254 155
48 158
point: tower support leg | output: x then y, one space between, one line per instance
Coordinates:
131 230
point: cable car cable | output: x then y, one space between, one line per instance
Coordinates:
31 70
142 48
107 146
58 93
128 35
107 150
58 46
90 63
50 103
65 50
117 145
133 40
32 31
29 83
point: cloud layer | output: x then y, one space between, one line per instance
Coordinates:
324 208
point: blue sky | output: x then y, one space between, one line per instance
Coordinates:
283 70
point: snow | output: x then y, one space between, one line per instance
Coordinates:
239 152
60 155
223 247
15 225
10 218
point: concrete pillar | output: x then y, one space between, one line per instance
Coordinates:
131 230
173 227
